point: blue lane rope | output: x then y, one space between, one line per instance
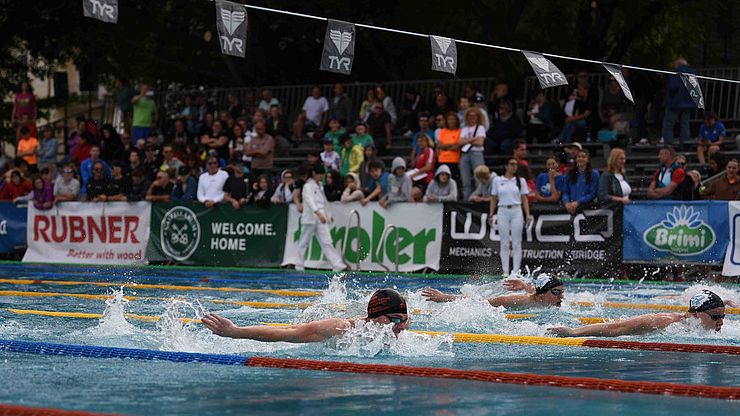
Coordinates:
45 348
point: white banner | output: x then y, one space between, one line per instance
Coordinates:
732 257
419 236
89 233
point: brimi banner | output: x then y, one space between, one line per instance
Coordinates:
231 21
444 54
103 10
339 47
548 74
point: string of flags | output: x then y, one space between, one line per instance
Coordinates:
339 47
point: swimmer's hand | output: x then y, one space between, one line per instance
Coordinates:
731 303
434 295
561 331
517 285
219 325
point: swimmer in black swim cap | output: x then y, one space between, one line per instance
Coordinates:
386 306
705 306
546 291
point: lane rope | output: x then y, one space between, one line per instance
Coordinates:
15 410
590 383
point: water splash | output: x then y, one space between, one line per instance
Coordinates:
113 322
368 339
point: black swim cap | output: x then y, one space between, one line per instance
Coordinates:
545 282
704 301
385 301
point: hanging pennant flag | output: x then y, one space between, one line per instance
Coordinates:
616 72
692 84
548 74
339 47
231 21
444 54
103 10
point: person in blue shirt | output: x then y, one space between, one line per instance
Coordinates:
549 184
711 135
679 105
186 186
378 182
581 184
87 165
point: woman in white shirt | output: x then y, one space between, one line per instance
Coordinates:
509 194
613 186
471 147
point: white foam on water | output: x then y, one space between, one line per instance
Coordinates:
723 292
368 339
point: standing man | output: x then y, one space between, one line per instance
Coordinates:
123 93
314 115
261 149
678 105
145 114
340 107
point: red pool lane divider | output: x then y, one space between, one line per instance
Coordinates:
645 387
662 346
13 410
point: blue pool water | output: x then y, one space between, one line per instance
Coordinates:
146 387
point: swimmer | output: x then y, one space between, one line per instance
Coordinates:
546 291
386 306
705 306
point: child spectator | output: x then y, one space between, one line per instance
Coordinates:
378 183
352 190
365 177
28 149
582 184
423 170
334 186
442 188
549 183
483 178
361 136
329 157
16 187
335 132
351 156
43 197
399 185
261 192
711 136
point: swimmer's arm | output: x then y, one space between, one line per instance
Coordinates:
309 332
634 326
434 295
518 284
510 301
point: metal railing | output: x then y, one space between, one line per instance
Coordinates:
352 214
381 245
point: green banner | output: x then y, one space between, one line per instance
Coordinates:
190 233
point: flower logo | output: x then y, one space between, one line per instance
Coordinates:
681 233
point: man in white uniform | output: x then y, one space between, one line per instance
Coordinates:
315 220
211 183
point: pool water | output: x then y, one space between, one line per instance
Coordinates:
156 387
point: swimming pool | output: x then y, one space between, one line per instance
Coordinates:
159 387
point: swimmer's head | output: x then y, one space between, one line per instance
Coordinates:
550 289
388 306
708 308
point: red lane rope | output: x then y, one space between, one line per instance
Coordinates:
647 387
13 410
662 346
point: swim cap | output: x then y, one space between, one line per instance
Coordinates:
704 301
385 301
545 282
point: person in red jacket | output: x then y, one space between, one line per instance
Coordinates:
16 187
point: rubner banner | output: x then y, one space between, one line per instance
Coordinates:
548 74
444 54
231 21
616 72
588 242
103 10
339 47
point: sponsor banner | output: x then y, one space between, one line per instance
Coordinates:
190 233
103 10
86 232
589 242
419 237
548 74
675 231
231 22
12 226
692 84
339 47
732 257
616 72
444 54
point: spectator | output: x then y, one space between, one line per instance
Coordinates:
236 188
206 127
679 105
43 196
139 186
48 149
28 149
68 187
15 188
668 178
119 187
613 185
520 152
727 187
509 195
614 107
145 113
590 97
423 167
472 139
314 115
399 185
217 140
463 106
268 101
378 183
186 186
169 162
693 191
448 144
97 185
24 104
285 190
711 136
714 166
235 109
367 104
161 189
340 107
126 140
539 122
329 157
111 146
499 94
483 178
350 157
387 103
152 162
480 104
549 184
567 157
86 168
411 106
261 192
276 126
504 130
424 129
211 183
315 220
134 161
442 105
379 124
576 114
334 186
179 134
260 148
335 132
22 166
365 177
123 93
442 188
581 185
361 136
352 192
